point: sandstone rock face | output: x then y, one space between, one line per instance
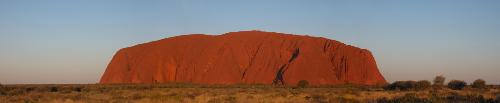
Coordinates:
245 57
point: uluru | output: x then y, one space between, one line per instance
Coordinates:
244 57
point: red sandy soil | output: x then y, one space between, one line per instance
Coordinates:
245 57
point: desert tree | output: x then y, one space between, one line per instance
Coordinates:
393 85
439 80
456 84
422 85
410 85
479 84
401 85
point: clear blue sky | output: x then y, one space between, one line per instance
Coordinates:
72 41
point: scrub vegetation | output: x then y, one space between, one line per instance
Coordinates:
397 92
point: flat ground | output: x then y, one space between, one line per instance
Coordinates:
95 93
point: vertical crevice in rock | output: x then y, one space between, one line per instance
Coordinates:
342 69
243 76
294 55
278 80
128 66
345 69
326 46
129 69
252 60
176 72
364 68
127 62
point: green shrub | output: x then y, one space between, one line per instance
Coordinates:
423 84
302 84
479 84
439 80
456 84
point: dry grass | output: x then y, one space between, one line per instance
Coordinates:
188 93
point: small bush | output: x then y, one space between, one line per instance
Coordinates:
29 89
410 85
401 85
318 98
479 84
53 89
407 98
391 86
78 89
439 80
2 92
302 84
423 84
66 89
456 84
224 99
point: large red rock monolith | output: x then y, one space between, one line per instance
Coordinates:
245 57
